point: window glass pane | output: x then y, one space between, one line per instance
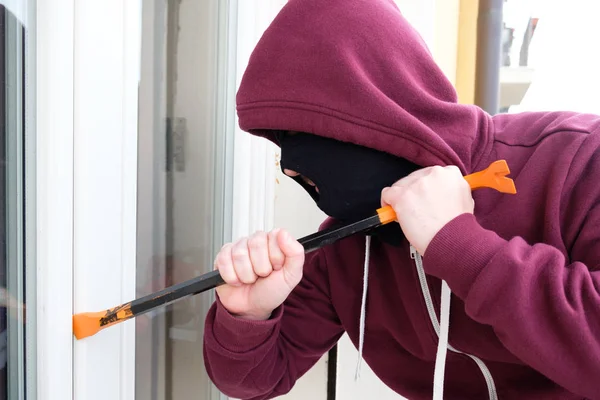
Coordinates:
178 155
12 228
547 63
518 33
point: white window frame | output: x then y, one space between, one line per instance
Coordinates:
106 79
87 72
54 199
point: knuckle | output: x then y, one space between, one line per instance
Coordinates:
423 181
263 270
277 258
257 241
273 243
224 255
248 277
392 194
227 273
453 170
239 254
389 190
224 252
223 258
230 277
437 170
422 185
276 255
272 237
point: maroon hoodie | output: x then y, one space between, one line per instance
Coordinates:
523 270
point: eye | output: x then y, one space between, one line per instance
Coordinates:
309 182
305 179
294 174
290 173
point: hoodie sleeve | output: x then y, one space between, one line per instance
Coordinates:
263 359
543 307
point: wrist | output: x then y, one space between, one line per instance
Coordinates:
253 315
239 335
460 251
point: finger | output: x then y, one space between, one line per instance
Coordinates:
454 170
294 258
414 176
392 196
224 264
259 254
241 262
276 256
456 174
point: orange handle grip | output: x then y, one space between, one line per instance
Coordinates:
493 177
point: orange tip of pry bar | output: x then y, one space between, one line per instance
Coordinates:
493 177
86 324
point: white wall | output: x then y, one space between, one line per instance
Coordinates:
296 212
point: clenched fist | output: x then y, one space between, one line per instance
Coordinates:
260 272
426 200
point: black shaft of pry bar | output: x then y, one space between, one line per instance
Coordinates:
213 279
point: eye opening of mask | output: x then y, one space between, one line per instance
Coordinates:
302 181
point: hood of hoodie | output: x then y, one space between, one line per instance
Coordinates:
357 71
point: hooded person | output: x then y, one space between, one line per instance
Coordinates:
505 301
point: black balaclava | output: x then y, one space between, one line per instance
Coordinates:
349 177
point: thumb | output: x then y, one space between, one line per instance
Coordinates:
294 257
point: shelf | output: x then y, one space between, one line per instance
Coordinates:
514 82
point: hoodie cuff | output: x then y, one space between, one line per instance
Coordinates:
239 335
460 251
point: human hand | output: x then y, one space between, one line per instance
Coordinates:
426 200
260 272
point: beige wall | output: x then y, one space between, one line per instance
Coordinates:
446 32
466 50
